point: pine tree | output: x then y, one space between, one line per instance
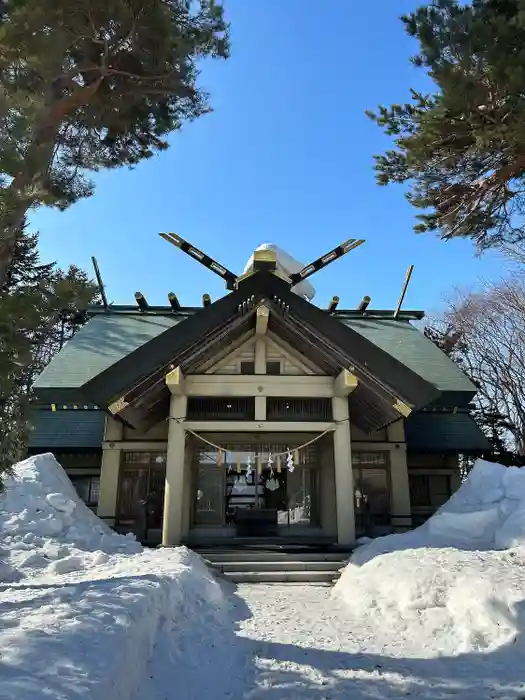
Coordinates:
93 84
40 307
462 148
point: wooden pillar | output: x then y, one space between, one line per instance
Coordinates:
401 506
260 356
260 408
400 497
344 479
109 472
174 493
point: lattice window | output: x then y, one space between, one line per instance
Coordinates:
87 487
369 458
299 409
141 458
429 490
203 408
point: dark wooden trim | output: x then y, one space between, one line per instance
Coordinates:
475 452
62 451
69 396
362 352
198 350
159 352
185 311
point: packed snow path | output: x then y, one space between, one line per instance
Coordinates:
291 642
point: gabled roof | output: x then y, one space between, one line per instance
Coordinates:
98 345
127 354
384 382
411 347
109 337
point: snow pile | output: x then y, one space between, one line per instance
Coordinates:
45 525
457 583
91 634
487 512
81 607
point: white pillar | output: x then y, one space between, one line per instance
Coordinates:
174 494
344 479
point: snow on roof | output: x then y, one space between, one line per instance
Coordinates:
287 265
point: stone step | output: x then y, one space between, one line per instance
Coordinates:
259 566
217 557
306 577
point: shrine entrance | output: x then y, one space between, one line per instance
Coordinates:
245 491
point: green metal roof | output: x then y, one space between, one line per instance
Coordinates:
104 340
410 346
110 336
66 429
444 432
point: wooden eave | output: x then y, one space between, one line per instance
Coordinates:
144 364
331 345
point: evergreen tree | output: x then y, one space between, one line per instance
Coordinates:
40 308
462 148
90 84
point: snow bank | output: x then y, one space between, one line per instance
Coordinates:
487 512
90 635
45 525
81 606
457 583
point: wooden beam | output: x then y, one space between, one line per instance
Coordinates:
259 385
175 381
141 301
201 257
345 383
402 408
232 426
261 322
117 406
403 291
135 445
259 356
363 304
174 302
332 306
100 283
325 260
264 260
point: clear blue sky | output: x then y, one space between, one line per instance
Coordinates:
285 157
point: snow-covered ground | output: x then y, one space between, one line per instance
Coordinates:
436 613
